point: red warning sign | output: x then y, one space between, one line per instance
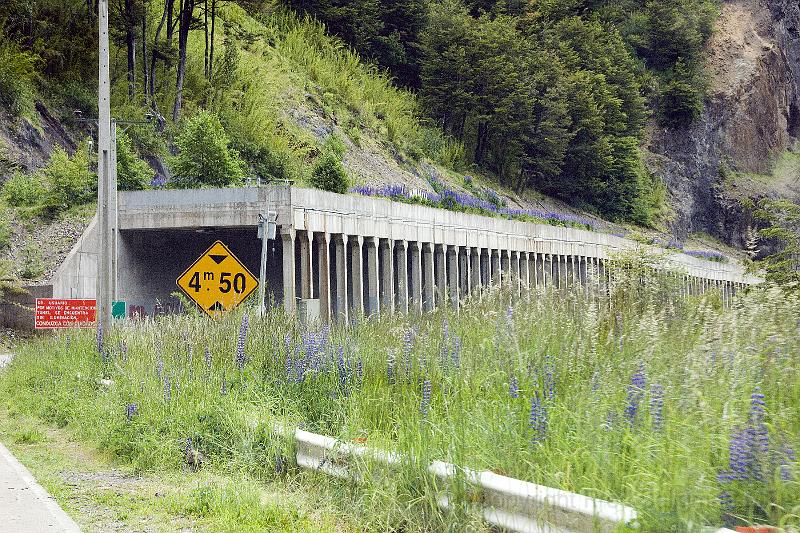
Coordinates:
56 313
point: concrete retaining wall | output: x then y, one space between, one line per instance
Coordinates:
17 311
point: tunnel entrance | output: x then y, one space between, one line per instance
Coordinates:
151 260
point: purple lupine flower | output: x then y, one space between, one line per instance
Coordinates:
426 398
100 347
726 508
513 387
167 389
537 421
749 447
657 406
289 367
223 389
595 381
390 367
549 377
207 357
344 372
130 411
160 369
123 350
240 355
757 422
409 337
444 352
360 369
456 352
787 458
634 397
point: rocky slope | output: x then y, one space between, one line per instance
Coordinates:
751 118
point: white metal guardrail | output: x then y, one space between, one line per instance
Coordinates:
508 503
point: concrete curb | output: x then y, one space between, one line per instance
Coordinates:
28 512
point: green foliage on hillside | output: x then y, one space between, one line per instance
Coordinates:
18 70
65 181
204 157
133 174
547 95
783 219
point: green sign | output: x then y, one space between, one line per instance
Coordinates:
119 309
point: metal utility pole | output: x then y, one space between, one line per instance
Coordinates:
266 231
106 160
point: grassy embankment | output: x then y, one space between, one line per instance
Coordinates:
636 401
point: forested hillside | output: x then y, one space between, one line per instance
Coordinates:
500 107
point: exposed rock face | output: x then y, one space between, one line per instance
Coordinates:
28 147
751 116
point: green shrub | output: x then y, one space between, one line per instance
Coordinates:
32 262
68 180
17 75
329 174
681 97
5 230
23 189
205 157
133 174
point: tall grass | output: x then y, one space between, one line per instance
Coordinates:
275 65
640 394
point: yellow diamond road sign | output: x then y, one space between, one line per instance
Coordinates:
217 281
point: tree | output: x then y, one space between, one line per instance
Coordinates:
133 174
447 70
184 25
681 97
783 217
384 31
204 157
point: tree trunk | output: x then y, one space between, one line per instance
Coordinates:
170 25
205 30
145 73
130 43
211 50
153 57
183 37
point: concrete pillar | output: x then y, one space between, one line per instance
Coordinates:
514 273
416 275
306 276
387 276
373 292
505 268
463 271
494 275
475 270
556 272
452 275
340 244
401 252
441 277
569 271
287 240
428 282
357 275
525 271
323 245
